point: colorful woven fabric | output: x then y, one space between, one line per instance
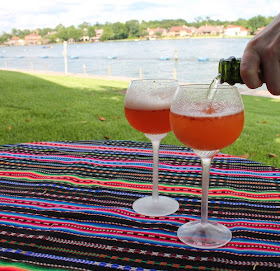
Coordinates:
68 206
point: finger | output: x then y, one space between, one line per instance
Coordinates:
249 68
271 70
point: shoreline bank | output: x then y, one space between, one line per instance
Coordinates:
243 91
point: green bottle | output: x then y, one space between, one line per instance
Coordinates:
229 71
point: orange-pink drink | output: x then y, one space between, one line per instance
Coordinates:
149 121
209 130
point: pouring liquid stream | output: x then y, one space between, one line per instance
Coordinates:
213 88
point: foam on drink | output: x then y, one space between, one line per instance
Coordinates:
208 109
150 102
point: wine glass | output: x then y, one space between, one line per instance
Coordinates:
147 107
206 120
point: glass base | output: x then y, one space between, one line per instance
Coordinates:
155 207
209 235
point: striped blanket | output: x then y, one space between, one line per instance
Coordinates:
68 206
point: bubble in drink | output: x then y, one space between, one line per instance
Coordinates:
149 121
208 131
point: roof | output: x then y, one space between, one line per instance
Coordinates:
156 29
236 26
32 36
178 28
210 28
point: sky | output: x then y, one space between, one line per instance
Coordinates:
33 14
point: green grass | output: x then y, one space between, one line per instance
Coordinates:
55 108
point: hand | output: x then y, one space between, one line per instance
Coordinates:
261 59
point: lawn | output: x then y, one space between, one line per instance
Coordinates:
53 108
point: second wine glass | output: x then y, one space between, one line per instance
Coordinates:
206 120
147 107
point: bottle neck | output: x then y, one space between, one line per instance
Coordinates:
229 70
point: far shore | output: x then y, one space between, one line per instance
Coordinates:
142 39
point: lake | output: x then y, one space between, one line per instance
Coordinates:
154 59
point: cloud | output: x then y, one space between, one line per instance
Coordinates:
32 14
142 6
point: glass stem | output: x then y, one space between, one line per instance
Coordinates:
206 163
155 139
155 144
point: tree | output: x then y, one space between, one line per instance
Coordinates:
158 34
4 37
74 33
23 33
170 23
107 33
91 31
15 32
133 28
120 31
70 32
43 32
198 21
62 34
242 22
84 25
53 38
144 33
59 27
256 22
